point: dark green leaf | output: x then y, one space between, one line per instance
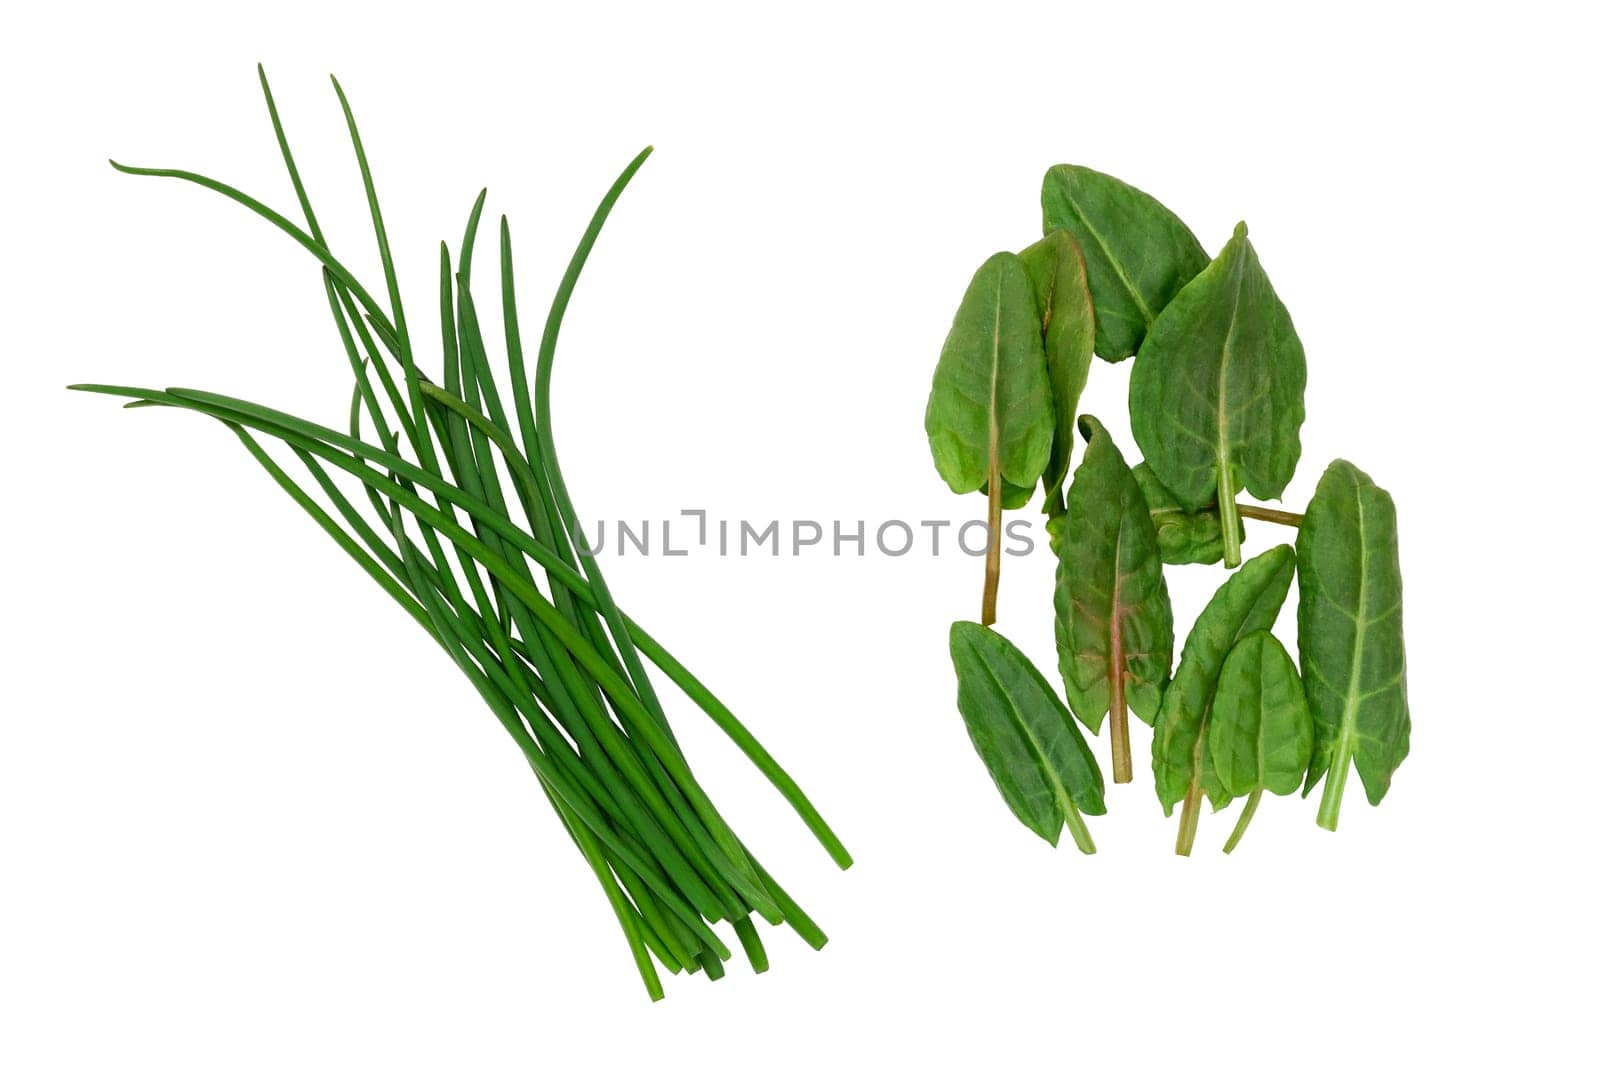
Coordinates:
1352 649
990 406
1061 290
1247 601
1183 536
1138 253
1218 394
1033 750
1113 615
1260 725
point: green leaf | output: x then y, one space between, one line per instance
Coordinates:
1066 313
1184 536
1034 752
1055 527
1139 254
1260 736
1352 650
990 407
1012 496
1218 394
1247 601
1113 614
1260 724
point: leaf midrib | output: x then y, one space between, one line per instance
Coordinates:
1261 717
1344 748
1046 770
994 389
1116 265
1222 364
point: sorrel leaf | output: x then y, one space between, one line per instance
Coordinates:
1033 750
1113 614
1066 314
1184 536
990 407
1352 649
1218 394
1249 600
1014 496
1138 254
1217 401
1260 736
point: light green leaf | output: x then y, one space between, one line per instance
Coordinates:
1184 536
1055 527
1033 750
1113 614
1352 649
1247 601
990 407
1260 736
1260 724
1061 291
1012 496
1137 252
1218 394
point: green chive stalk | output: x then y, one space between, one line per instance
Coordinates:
470 528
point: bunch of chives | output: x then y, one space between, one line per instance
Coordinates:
445 469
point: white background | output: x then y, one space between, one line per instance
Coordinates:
250 815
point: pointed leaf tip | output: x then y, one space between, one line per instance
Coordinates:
1217 397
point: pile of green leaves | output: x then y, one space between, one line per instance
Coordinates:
471 530
1216 399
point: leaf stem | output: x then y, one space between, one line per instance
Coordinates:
991 562
1333 790
1228 514
1077 828
1244 821
1189 820
1121 757
1282 518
